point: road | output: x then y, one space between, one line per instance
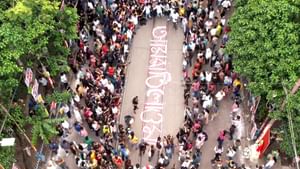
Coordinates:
137 74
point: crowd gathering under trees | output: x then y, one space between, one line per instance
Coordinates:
92 42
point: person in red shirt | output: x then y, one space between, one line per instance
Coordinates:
104 49
111 71
118 162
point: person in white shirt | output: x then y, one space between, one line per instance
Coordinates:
175 17
211 14
208 54
159 9
43 81
220 2
104 81
110 87
66 110
238 123
66 128
208 76
231 153
147 10
186 163
192 46
77 114
64 80
226 4
90 5
134 19
218 151
207 102
200 141
227 80
270 163
184 23
129 34
220 95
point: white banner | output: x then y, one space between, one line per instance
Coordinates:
35 90
28 77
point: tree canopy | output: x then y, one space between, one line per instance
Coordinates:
32 33
264 42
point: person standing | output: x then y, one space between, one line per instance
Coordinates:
142 147
64 81
175 17
218 152
270 163
135 102
151 153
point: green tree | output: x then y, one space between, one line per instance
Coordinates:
43 127
6 156
33 32
265 44
59 97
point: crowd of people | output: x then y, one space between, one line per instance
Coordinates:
209 78
99 64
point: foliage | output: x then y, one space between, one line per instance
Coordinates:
59 97
31 32
6 4
7 156
42 126
293 107
265 44
17 115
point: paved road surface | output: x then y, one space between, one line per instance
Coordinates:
137 74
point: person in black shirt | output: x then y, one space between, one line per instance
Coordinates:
135 102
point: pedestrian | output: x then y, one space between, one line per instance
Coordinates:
53 147
238 126
128 164
218 152
232 131
159 144
64 81
174 16
142 147
74 148
137 166
118 161
66 110
214 111
231 151
169 151
135 103
151 153
271 162
66 146
96 127
221 137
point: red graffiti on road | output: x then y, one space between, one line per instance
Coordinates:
158 78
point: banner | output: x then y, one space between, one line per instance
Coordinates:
263 141
28 76
35 90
